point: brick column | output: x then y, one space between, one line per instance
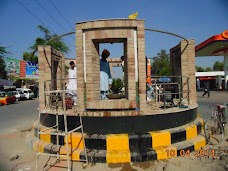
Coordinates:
80 67
188 69
142 65
44 71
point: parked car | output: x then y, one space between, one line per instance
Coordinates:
3 99
7 97
27 92
19 95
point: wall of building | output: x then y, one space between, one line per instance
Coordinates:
182 59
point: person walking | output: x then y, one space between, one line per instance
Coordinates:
207 90
105 75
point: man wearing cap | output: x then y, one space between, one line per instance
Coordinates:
105 74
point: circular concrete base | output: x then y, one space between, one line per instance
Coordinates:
124 124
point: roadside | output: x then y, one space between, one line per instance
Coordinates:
13 146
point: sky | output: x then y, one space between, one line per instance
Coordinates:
198 20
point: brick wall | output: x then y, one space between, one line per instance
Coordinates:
104 31
182 59
46 57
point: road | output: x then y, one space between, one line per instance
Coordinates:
216 97
19 115
23 113
15 117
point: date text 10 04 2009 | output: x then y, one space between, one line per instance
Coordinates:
186 153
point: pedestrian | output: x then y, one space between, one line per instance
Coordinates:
72 83
207 90
105 75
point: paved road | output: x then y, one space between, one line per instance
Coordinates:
216 97
23 114
14 116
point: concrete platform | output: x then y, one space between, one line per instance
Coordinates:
122 148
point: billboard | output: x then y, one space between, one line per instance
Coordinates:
12 67
31 70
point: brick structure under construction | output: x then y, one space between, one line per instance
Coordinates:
129 129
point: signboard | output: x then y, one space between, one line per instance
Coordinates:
31 70
12 67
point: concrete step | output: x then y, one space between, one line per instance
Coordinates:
120 155
132 142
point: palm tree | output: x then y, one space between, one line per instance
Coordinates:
57 44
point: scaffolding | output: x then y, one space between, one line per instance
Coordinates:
57 97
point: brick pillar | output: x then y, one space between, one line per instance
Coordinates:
80 68
188 69
142 65
44 71
182 60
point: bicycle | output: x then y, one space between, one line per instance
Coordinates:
215 127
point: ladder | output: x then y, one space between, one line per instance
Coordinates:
56 94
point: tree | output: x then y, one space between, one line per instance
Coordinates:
161 64
29 57
3 52
208 69
57 44
200 69
218 66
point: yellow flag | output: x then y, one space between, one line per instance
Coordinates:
133 16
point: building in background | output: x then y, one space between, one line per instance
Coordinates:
215 79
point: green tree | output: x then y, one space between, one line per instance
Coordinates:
3 52
161 64
218 66
208 69
200 69
57 44
27 56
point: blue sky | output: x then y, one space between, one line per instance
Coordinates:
194 19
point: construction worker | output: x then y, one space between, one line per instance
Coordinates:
105 75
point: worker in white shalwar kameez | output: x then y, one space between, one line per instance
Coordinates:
105 74
72 84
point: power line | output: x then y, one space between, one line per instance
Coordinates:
35 16
39 20
61 14
51 16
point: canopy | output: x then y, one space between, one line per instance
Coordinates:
4 82
214 46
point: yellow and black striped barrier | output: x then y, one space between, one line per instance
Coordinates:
121 148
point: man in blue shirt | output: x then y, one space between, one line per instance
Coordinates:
105 75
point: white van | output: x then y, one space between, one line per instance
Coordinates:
27 92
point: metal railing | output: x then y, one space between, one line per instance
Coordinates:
173 92
53 93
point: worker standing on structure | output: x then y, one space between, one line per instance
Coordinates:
72 84
105 74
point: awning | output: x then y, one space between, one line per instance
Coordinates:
4 82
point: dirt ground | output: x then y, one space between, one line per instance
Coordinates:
17 156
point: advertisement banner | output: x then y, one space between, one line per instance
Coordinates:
12 67
31 70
